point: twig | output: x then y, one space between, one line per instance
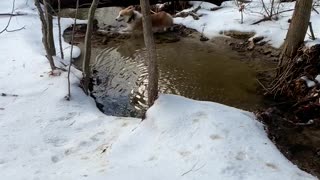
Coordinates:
193 168
311 31
216 8
5 94
197 9
190 169
262 20
310 122
314 5
11 15
268 18
315 10
284 11
265 8
266 89
24 27
265 70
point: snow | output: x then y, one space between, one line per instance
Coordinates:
309 82
215 23
43 136
187 139
310 43
318 78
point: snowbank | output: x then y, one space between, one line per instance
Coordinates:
44 136
187 139
214 23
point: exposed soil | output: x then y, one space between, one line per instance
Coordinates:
299 143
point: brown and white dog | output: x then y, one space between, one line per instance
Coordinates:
160 21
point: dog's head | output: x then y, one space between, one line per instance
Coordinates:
125 14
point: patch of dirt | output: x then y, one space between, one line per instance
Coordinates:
299 143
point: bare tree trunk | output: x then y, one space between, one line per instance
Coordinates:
295 38
45 35
153 73
87 48
298 28
59 26
48 15
71 50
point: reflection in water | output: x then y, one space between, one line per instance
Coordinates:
202 71
189 68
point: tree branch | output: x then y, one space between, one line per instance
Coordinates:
9 21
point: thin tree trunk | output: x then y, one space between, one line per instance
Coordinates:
298 28
87 48
45 34
48 14
71 50
59 26
294 39
153 73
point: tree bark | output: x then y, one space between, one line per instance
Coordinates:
68 97
298 28
60 33
48 15
45 35
294 39
153 73
87 48
121 3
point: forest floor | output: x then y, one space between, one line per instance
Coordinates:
44 136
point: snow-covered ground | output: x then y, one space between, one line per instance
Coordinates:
214 23
43 136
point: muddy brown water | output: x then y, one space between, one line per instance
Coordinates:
199 70
208 71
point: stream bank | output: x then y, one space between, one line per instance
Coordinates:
227 69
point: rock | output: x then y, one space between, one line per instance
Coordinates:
105 40
250 46
266 51
203 38
275 53
257 39
239 34
262 43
